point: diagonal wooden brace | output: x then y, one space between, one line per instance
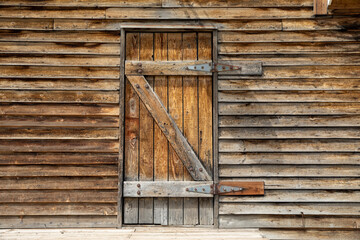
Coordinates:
170 129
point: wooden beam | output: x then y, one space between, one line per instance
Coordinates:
170 129
176 68
320 7
164 189
168 68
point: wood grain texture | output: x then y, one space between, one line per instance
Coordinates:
170 129
132 134
161 146
185 13
146 137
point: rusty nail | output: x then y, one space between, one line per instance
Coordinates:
200 169
147 86
137 86
140 65
138 185
138 192
187 189
140 71
195 189
191 168
224 190
203 189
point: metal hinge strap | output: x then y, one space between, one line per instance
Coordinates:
213 67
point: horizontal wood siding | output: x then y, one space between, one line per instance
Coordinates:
296 127
59 122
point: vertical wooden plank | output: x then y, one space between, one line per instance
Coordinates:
320 7
121 129
146 148
190 96
205 124
161 145
176 169
132 114
215 127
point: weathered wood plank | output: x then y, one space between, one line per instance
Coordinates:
131 138
287 48
287 133
63 209
26 145
288 108
191 121
206 210
298 196
289 158
56 196
289 171
320 7
290 121
146 141
334 209
235 3
334 23
310 234
60 36
292 145
167 68
306 183
59 96
59 60
58 72
58 109
320 72
108 24
58 84
290 84
59 133
289 36
58 183
58 222
169 128
195 13
48 12
26 24
250 221
289 96
61 122
58 171
164 189
175 47
83 3
161 146
60 48
330 59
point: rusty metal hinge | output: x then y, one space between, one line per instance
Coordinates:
213 67
230 188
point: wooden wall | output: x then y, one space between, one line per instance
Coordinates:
296 127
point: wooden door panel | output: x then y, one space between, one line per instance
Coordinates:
188 99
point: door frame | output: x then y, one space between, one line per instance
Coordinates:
166 28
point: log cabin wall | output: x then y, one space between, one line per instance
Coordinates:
295 127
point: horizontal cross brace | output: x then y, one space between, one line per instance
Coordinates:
192 68
191 188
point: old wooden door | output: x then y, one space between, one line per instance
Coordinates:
148 155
